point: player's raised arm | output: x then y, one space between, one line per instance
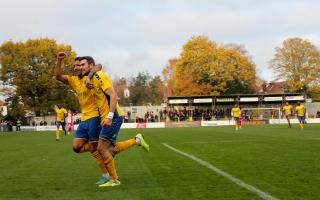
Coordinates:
58 70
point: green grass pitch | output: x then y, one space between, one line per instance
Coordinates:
280 161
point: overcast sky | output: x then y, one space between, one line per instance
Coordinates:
129 36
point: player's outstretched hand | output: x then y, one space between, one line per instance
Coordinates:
61 55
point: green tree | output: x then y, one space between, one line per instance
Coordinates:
28 67
156 88
16 107
139 91
145 89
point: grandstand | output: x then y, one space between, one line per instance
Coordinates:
219 107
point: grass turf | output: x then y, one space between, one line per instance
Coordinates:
281 161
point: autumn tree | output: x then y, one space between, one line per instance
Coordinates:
169 79
28 67
297 62
206 68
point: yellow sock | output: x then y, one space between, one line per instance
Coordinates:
111 168
301 125
57 134
99 161
121 146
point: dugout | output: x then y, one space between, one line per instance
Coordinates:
220 106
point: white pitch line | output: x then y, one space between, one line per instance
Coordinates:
260 193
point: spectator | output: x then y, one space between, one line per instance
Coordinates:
18 125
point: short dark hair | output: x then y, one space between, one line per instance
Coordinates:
77 58
89 59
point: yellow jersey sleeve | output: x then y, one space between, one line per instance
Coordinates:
104 80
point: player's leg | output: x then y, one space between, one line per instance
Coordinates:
107 139
300 122
104 148
288 120
236 121
80 142
84 142
63 126
57 131
124 145
93 132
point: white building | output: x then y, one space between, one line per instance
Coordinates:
3 108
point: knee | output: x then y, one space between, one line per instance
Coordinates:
76 149
100 147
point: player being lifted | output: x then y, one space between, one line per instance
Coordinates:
60 120
87 134
287 110
235 113
301 112
111 117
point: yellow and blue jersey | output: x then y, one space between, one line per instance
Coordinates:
89 108
287 109
235 112
61 112
300 110
101 83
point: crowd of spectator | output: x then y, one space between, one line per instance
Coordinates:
6 125
181 115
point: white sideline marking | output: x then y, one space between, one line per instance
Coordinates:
260 193
216 141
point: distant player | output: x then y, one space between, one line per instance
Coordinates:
287 110
241 120
235 113
60 120
301 112
70 121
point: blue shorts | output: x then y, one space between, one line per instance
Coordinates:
301 118
288 116
58 123
89 129
237 119
111 133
